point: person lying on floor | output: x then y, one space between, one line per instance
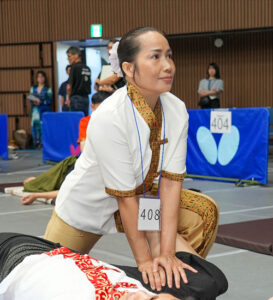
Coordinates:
47 184
34 268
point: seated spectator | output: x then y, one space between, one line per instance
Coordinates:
62 92
97 99
48 183
34 268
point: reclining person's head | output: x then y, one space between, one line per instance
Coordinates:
98 98
141 295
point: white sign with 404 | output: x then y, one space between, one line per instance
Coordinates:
220 121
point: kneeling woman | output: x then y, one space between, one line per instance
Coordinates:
136 135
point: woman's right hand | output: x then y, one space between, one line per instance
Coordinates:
37 101
29 199
157 279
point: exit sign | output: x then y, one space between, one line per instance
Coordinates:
96 31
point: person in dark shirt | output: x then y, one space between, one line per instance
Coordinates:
62 91
79 82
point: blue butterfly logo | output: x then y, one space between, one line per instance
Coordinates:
226 150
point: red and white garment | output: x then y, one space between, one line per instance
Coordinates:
63 275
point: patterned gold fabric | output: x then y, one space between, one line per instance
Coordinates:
200 204
205 207
117 193
172 176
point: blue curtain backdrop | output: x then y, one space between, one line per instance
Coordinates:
241 154
4 136
60 133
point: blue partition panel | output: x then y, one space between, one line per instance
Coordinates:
241 154
4 153
60 132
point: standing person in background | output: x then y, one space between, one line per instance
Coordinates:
79 82
40 99
62 91
210 88
112 82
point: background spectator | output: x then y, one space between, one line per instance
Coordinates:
40 99
62 91
210 88
79 82
112 82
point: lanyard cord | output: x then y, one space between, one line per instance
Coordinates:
140 147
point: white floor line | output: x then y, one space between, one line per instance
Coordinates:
24 172
236 189
227 253
24 211
5 195
244 210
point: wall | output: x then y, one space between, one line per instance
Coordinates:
29 30
18 68
245 61
53 20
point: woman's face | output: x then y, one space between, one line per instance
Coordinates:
155 67
211 71
40 78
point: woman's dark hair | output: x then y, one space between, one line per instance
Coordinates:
216 68
129 46
100 96
44 75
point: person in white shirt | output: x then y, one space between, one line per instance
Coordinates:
136 135
211 88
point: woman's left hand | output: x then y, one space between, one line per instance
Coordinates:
172 266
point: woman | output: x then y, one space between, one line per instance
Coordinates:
137 134
210 88
40 99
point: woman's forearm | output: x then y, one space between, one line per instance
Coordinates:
128 207
109 80
47 195
204 93
153 238
170 193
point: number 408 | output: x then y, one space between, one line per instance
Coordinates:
150 214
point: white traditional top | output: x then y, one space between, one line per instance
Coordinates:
110 165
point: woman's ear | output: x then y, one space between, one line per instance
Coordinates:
128 69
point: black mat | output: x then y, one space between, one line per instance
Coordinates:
11 184
255 236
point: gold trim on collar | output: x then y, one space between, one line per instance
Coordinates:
143 107
154 121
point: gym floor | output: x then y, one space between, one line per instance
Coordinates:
250 274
